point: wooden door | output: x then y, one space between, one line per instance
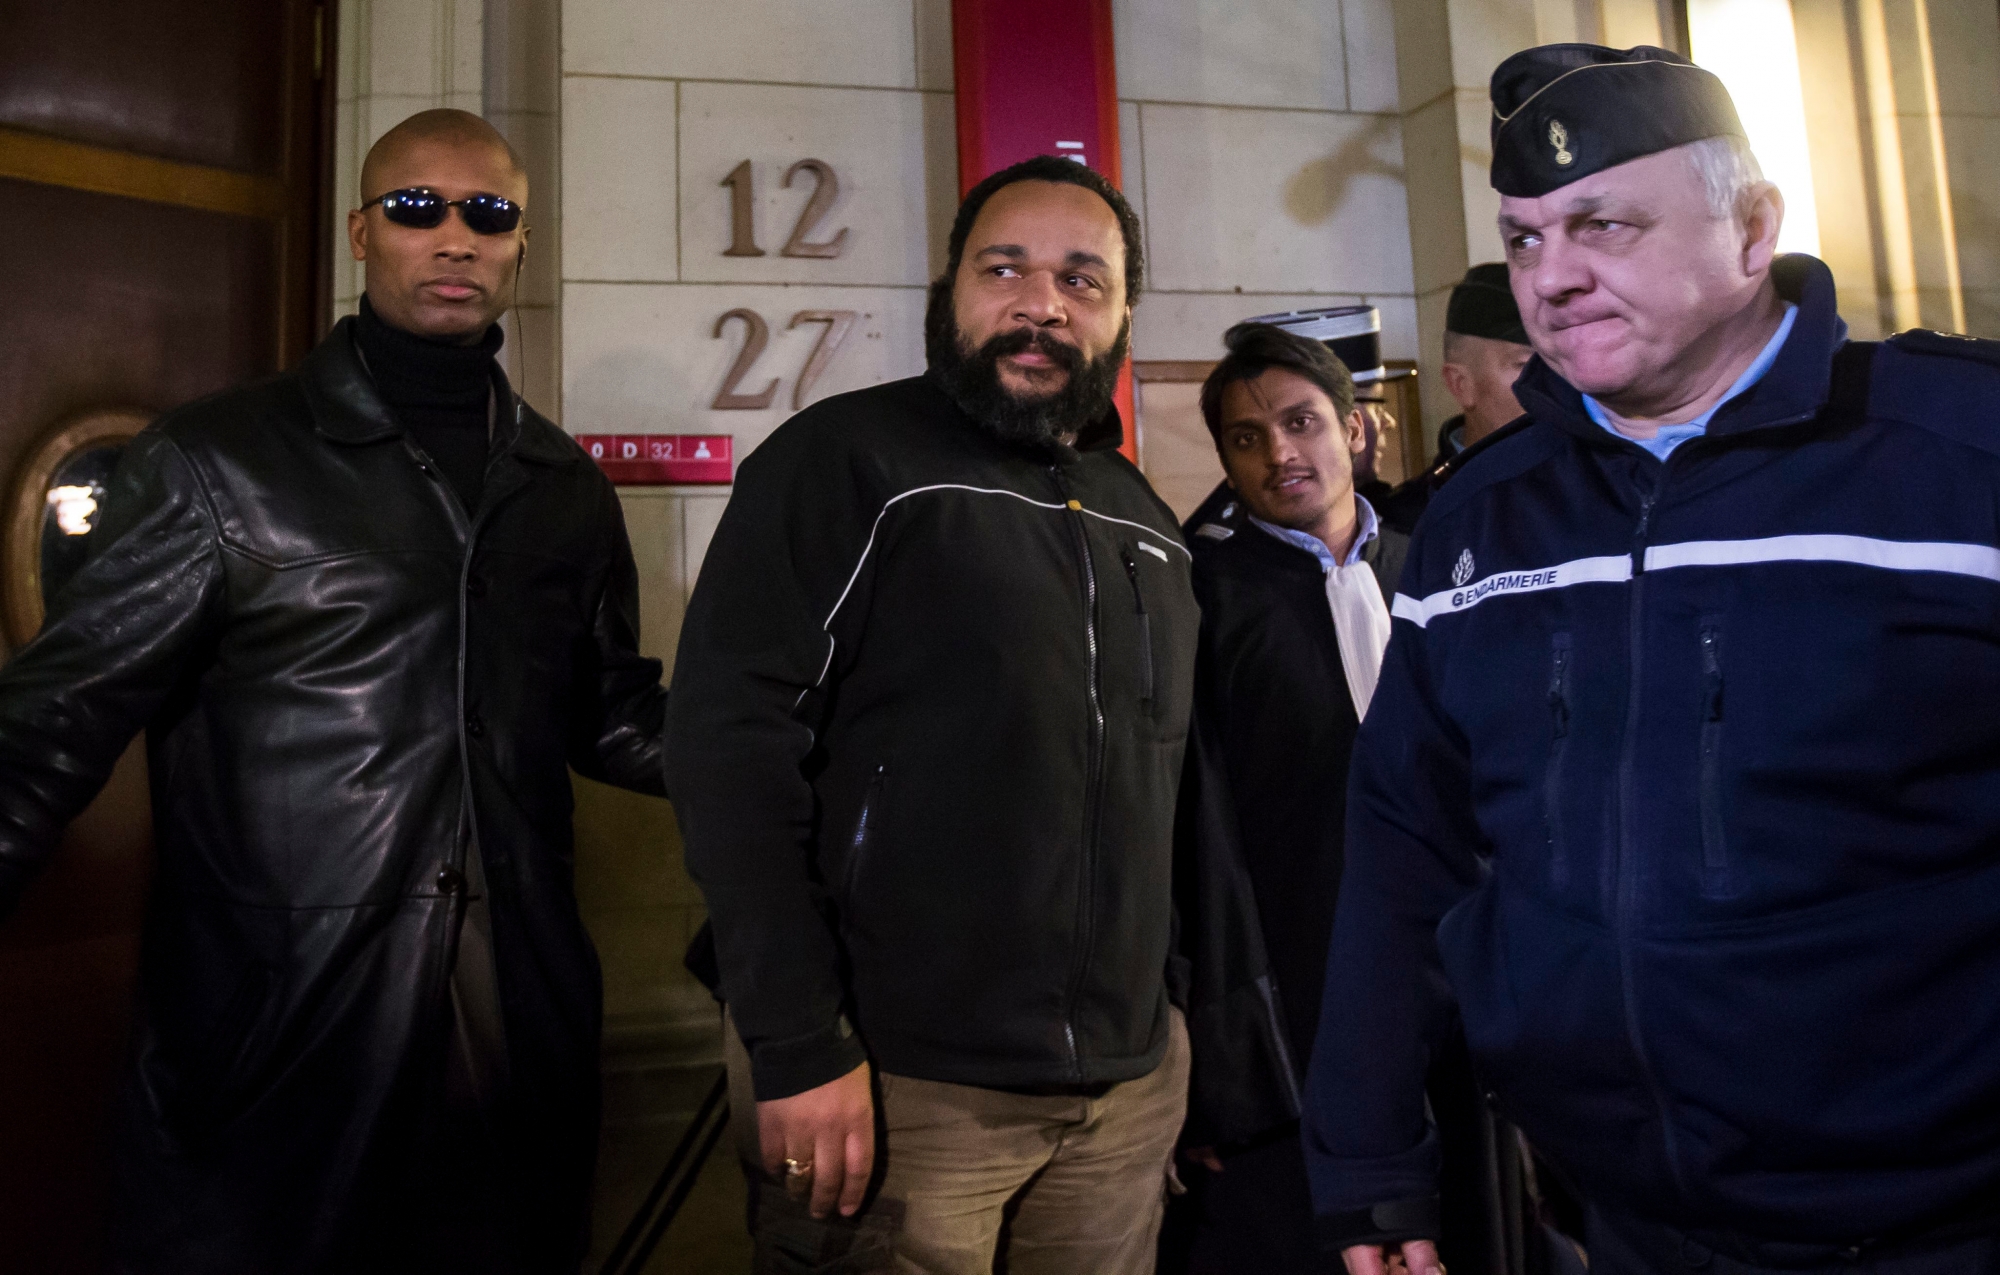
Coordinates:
161 178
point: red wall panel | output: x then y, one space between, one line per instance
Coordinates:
1038 77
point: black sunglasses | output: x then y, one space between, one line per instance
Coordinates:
422 209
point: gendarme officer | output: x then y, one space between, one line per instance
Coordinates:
1682 773
1485 348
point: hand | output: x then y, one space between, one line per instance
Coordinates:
1414 1257
832 1128
1205 1157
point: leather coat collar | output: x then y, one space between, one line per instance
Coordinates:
346 407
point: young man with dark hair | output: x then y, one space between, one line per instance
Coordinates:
1293 573
369 613
929 711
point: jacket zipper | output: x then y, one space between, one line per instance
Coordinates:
1145 631
1714 845
462 521
864 825
468 522
1559 709
1628 854
1093 794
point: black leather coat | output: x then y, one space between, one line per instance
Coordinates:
344 678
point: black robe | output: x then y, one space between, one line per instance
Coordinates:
1260 848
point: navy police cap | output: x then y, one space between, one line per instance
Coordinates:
1565 111
1483 305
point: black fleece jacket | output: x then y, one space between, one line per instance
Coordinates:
924 740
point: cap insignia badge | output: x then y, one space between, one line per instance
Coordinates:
1461 571
1559 138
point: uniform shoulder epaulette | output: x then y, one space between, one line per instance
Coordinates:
1949 344
1214 531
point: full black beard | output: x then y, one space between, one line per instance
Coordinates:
972 377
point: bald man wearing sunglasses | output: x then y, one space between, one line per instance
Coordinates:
369 614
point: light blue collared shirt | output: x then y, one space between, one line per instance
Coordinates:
1367 528
1669 437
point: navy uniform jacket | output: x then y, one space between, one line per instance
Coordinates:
1687 777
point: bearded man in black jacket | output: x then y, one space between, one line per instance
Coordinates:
928 717
369 613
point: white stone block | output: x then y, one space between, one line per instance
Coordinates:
1189 325
934 52
531 356
533 137
1175 451
1131 159
618 180
1399 325
656 524
403 47
862 42
1276 201
1369 30
1970 143
882 158
1475 150
644 358
1231 52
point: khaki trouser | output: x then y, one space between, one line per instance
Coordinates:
1067 1185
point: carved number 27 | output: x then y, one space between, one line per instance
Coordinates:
757 335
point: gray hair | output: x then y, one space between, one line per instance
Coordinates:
1729 172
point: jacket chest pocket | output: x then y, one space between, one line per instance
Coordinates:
1714 839
1143 626
1559 701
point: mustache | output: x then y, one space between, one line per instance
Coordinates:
1021 340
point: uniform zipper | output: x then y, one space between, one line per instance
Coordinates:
1627 901
1094 762
1559 710
1145 630
1714 844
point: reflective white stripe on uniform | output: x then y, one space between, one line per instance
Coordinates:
1612 569
1945 556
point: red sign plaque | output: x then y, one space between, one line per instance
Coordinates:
642 460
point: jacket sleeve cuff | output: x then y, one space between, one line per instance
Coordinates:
1392 1223
782 1068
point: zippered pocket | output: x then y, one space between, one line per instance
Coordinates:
1714 840
1552 785
865 833
1145 630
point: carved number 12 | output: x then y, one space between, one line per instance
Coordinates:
742 212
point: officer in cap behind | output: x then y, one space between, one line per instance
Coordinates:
1681 782
1485 348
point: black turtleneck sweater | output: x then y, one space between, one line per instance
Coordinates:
440 392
